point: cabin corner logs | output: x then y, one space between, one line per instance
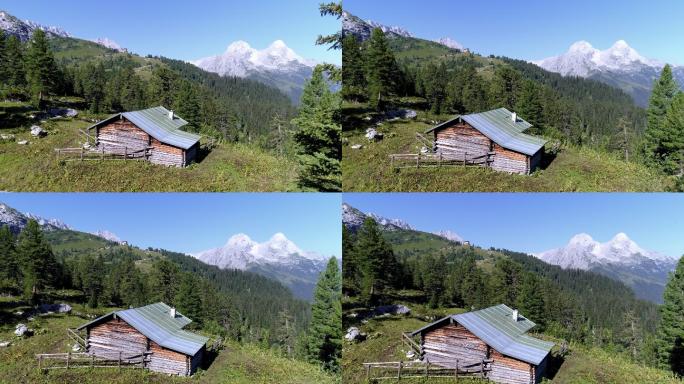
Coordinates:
153 134
495 135
495 336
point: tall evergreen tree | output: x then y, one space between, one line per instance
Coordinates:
530 300
325 330
14 62
318 137
529 105
381 70
41 70
664 91
672 136
186 105
3 55
10 273
39 265
188 299
353 76
377 264
92 276
670 339
164 281
350 267
623 136
505 88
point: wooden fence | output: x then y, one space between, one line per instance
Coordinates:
78 339
87 360
70 154
418 160
396 370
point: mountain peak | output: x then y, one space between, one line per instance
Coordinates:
581 46
239 46
581 238
450 43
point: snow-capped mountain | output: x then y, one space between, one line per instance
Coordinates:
352 218
620 66
107 235
277 65
278 258
17 220
24 29
449 235
620 258
363 28
109 43
450 43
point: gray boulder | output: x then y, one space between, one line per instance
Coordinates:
52 308
356 146
23 142
354 334
394 309
65 112
21 330
76 348
4 344
38 131
373 135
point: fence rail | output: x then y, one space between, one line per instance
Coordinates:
87 360
439 159
82 154
396 370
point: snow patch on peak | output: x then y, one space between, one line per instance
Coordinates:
109 43
582 238
450 43
239 240
449 235
107 235
581 46
239 47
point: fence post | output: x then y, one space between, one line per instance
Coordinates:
125 153
92 361
40 359
68 358
119 359
456 370
81 153
427 369
418 160
465 156
367 372
102 153
440 158
399 370
482 369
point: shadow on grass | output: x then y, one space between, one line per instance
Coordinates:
546 160
553 365
209 356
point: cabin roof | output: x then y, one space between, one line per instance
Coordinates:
496 327
156 122
155 322
499 126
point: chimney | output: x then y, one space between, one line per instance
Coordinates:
515 315
173 312
514 117
171 114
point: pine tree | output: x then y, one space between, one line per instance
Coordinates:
92 275
93 80
39 265
353 76
285 333
530 300
672 136
506 282
188 300
473 94
631 337
162 87
350 267
318 137
325 330
664 91
10 273
381 70
3 60
622 137
41 70
670 339
434 86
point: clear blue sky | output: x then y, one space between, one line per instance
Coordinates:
535 29
191 222
187 30
536 222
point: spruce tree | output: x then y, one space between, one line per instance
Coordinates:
14 62
92 276
377 264
3 60
623 135
505 88
325 330
41 70
188 299
350 267
186 105
530 300
670 339
39 265
529 105
164 281
10 273
672 136
353 76
381 70
318 136
664 91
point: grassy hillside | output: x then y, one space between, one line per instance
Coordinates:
234 364
35 167
573 169
581 365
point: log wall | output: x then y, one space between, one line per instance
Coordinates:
507 370
115 335
117 135
510 161
443 345
168 361
165 154
460 138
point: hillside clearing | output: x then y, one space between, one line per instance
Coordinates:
35 167
236 363
573 170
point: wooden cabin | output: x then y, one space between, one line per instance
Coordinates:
154 134
154 331
494 138
496 336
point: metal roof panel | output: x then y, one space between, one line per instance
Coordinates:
156 122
